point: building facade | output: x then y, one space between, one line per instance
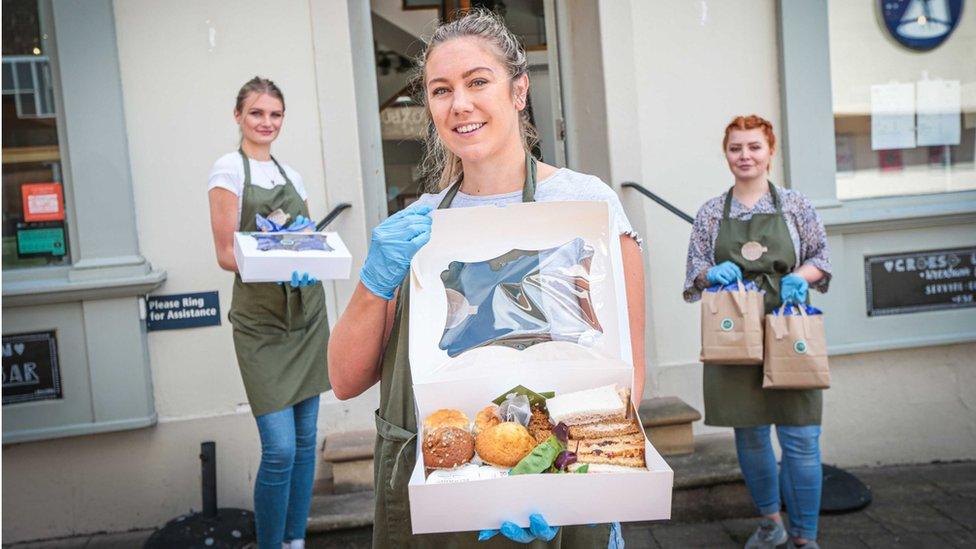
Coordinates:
125 106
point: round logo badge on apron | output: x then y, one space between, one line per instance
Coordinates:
800 347
753 250
727 324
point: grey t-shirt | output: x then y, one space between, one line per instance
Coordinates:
564 185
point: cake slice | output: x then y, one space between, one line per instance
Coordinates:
601 429
587 406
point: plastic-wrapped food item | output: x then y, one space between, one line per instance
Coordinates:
295 242
516 408
521 298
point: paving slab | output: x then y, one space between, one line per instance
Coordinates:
965 539
841 541
919 518
128 540
679 536
961 510
638 534
907 541
851 524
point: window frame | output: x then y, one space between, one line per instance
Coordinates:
861 227
808 122
100 207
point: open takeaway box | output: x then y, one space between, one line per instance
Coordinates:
552 316
272 257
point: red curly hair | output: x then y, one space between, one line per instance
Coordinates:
751 122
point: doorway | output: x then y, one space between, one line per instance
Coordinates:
398 26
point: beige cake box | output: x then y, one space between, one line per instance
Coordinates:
470 380
255 265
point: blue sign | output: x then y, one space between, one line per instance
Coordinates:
172 312
921 24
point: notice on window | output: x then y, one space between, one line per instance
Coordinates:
42 202
892 116
939 104
30 367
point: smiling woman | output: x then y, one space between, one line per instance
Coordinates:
473 81
280 331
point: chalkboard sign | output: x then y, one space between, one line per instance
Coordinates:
171 312
30 367
912 282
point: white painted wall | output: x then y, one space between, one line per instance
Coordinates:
181 70
696 66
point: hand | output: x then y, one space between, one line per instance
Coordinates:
301 224
392 246
793 289
300 281
538 529
724 273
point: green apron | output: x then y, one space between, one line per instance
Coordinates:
280 333
734 396
396 442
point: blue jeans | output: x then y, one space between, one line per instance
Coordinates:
283 489
800 476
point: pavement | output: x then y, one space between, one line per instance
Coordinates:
917 506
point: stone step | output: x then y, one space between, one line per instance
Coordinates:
707 486
350 456
667 421
332 512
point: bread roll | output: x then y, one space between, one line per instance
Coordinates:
487 417
447 448
505 444
447 417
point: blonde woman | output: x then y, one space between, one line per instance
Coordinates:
475 87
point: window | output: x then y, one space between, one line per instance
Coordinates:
904 100
34 232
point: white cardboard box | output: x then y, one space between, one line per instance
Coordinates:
255 265
473 378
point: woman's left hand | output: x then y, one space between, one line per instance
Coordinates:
793 289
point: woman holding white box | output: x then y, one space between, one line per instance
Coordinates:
475 86
280 329
774 237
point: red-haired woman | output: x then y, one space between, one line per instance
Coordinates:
795 257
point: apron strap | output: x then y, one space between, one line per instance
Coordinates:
528 187
393 433
772 193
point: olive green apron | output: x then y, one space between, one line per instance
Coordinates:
734 396
280 333
396 442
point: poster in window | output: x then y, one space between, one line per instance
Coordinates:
939 104
30 367
890 161
892 116
42 202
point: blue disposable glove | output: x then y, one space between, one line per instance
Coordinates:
392 246
793 289
302 280
301 224
724 273
538 529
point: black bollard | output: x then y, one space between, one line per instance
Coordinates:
211 528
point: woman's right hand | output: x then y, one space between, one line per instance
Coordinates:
724 273
393 244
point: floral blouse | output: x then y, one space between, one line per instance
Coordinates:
804 223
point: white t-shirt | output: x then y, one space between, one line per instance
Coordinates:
565 185
228 173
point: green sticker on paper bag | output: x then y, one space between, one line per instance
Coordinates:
40 241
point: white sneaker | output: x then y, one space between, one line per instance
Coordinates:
769 534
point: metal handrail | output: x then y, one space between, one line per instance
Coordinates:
667 205
332 215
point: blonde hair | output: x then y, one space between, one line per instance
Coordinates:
259 86
440 166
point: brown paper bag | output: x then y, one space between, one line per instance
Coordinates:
731 327
796 352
